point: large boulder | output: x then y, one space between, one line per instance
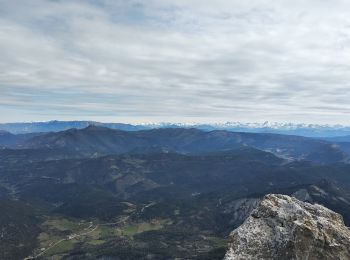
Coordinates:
282 227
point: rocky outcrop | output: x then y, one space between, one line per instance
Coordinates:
282 227
239 210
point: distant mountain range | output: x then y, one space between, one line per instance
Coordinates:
308 130
95 141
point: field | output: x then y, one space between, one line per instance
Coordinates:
61 235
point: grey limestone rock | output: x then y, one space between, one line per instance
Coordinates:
282 227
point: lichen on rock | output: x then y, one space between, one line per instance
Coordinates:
282 227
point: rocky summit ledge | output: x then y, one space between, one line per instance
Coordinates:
282 227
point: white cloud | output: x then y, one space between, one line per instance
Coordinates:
175 60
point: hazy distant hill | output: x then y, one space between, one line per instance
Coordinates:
56 126
8 139
96 140
339 139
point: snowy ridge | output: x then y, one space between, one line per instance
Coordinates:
308 130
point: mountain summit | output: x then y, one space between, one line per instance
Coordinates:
282 227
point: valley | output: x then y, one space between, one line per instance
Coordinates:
159 194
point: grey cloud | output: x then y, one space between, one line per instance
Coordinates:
175 60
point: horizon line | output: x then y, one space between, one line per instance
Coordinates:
192 123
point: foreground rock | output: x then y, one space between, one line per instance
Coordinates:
282 227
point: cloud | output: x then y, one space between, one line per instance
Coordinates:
162 60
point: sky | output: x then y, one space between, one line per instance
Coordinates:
175 61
